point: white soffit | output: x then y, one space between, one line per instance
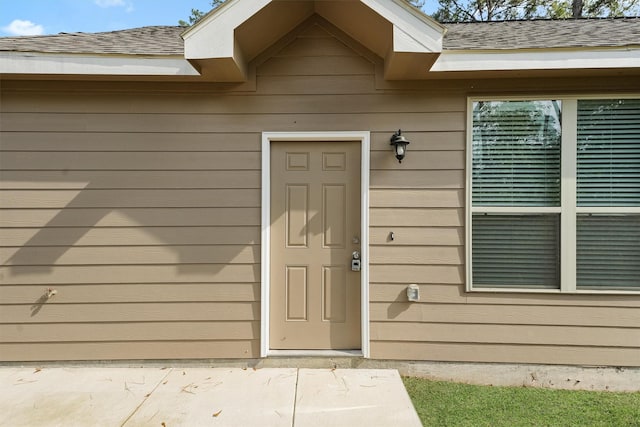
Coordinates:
78 64
537 59
213 46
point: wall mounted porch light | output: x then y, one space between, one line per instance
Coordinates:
400 145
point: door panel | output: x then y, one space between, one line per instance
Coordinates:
334 216
315 227
297 215
296 296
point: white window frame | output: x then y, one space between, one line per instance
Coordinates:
568 199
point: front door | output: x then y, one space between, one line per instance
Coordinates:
315 228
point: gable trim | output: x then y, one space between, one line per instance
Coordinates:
426 33
214 46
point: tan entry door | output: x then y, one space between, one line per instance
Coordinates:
315 228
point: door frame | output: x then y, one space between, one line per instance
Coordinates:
364 137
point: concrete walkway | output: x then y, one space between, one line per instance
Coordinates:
203 397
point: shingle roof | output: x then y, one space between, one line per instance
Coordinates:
160 40
166 40
543 34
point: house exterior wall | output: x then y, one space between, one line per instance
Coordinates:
139 203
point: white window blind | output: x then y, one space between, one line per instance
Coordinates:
515 251
516 153
609 152
608 249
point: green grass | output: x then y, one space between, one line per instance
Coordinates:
452 404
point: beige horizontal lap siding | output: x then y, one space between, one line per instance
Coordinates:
165 122
150 239
147 273
130 217
124 274
139 204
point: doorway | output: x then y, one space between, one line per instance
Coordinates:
315 222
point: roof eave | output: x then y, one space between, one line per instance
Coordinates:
64 64
537 59
448 64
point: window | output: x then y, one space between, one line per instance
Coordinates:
608 190
555 195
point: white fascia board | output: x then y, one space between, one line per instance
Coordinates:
214 36
559 59
210 46
422 30
403 42
65 64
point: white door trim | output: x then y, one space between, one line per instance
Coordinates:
365 142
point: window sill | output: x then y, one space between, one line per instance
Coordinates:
554 291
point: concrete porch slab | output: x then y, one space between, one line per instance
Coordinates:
353 397
117 396
228 397
73 396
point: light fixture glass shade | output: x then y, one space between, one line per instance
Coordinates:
400 151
